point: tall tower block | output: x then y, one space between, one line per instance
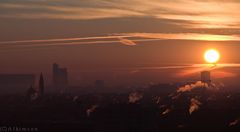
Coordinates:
206 77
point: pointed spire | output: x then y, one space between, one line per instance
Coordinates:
41 85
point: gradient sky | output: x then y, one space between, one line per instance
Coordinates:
113 38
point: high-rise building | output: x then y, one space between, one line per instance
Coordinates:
41 85
205 77
60 77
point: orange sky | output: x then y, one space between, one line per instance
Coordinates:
100 35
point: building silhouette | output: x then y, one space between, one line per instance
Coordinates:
206 77
30 93
15 83
60 78
41 85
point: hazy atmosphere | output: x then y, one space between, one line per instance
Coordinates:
119 65
96 37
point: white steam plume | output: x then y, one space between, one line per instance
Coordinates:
194 105
234 123
192 86
91 109
134 97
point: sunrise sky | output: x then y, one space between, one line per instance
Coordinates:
117 38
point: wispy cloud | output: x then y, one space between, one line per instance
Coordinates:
62 39
185 36
62 10
123 38
204 13
215 20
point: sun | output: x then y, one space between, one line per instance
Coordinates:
211 56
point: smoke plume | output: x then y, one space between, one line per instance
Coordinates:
91 109
194 105
166 111
157 99
134 97
234 123
199 84
192 86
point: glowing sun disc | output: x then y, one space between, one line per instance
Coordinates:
212 56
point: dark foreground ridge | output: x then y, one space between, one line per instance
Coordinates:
137 111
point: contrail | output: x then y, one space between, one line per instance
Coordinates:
184 36
168 67
198 67
64 39
126 42
185 69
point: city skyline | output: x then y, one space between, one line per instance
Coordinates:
119 65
